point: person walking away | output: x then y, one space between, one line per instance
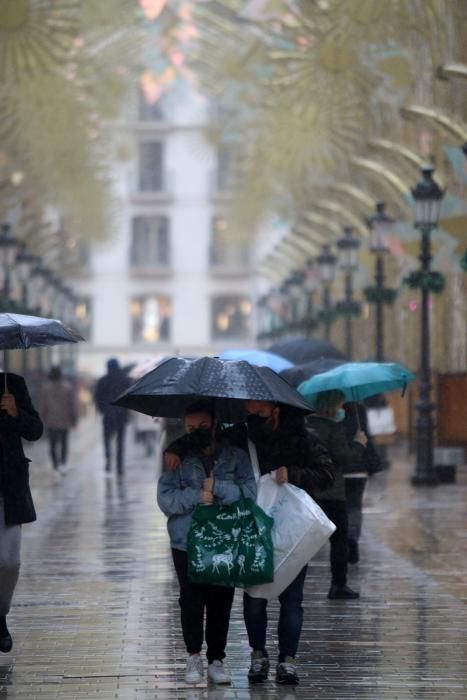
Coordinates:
282 445
18 420
208 473
59 412
355 480
326 423
114 418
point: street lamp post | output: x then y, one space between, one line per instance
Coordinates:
348 246
427 196
309 285
327 271
381 226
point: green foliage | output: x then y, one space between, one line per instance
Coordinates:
433 281
373 295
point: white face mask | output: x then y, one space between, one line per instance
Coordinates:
340 415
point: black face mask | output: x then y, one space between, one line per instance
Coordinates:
259 426
201 438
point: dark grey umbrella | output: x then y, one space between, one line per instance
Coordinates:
174 384
300 373
300 349
20 332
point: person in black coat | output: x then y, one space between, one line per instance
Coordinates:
355 479
18 419
114 418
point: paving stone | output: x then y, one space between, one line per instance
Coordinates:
96 613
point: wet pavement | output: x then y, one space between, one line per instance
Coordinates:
96 616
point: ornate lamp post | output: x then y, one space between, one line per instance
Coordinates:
381 226
8 252
327 272
309 286
295 290
348 246
427 196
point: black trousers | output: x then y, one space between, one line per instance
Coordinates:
194 599
58 443
110 429
354 489
337 512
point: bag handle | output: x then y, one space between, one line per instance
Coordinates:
254 459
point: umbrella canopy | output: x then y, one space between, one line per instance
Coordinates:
358 380
177 382
300 349
258 357
18 331
300 373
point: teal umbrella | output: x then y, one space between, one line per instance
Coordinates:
358 380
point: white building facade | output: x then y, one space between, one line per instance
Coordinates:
172 278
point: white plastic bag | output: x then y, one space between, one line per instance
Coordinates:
381 421
300 529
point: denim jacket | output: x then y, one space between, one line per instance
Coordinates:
179 491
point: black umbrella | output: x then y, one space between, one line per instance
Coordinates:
19 332
300 373
177 382
300 349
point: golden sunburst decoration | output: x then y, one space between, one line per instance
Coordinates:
36 36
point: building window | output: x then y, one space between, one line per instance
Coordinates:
230 318
151 317
224 248
150 111
150 244
151 175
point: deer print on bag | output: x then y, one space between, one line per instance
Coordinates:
225 558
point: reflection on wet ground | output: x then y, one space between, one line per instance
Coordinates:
96 612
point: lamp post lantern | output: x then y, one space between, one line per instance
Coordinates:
327 271
348 246
381 226
427 196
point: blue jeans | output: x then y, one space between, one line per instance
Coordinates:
290 618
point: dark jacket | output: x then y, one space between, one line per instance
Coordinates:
355 418
14 467
343 453
108 388
308 462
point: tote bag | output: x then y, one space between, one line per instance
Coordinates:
300 529
230 545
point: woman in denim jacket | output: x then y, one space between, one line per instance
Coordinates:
208 474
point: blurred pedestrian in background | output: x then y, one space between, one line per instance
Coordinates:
344 454
114 418
59 412
18 419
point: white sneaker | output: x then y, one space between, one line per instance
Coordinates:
217 674
194 669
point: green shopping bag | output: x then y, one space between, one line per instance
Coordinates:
231 545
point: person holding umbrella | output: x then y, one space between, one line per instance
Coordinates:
210 472
282 445
18 420
344 454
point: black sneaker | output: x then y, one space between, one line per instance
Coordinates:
342 593
6 642
286 672
259 667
